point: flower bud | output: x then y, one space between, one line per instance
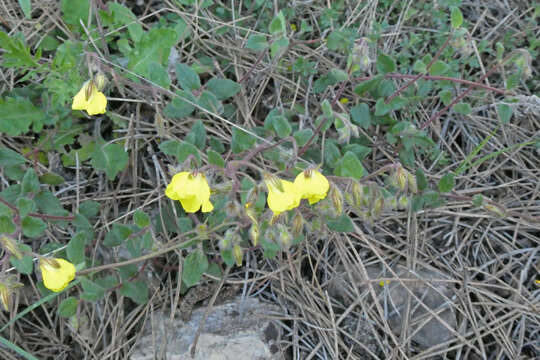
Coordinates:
378 206
227 240
297 224
7 288
238 254
401 178
250 212
11 246
413 185
202 231
403 202
496 210
358 194
284 236
337 199
254 233
272 180
100 80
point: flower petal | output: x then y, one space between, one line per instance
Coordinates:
313 187
207 206
190 204
79 101
97 103
280 201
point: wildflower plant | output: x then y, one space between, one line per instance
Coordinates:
222 179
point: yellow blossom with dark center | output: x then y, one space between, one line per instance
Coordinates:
192 190
56 273
89 98
312 185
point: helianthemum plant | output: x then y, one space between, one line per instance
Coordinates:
192 190
57 273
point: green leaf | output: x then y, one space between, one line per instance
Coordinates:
179 108
278 25
462 108
278 47
241 140
197 135
368 85
327 109
24 266
124 16
349 166
30 182
33 227
6 225
419 66
68 307
155 45
456 17
361 116
89 208
185 149
478 200
381 107
18 114
187 77
158 75
141 219
223 88
92 291
75 11
26 7
110 158
51 178
75 248
332 154
210 103
215 159
10 158
228 257
118 234
136 291
439 68
446 97
17 54
302 136
281 126
421 180
385 64
257 42
340 224
25 206
505 113
195 265
446 184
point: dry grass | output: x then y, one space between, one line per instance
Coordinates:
490 263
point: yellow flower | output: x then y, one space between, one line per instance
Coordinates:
282 195
89 98
192 190
312 185
56 273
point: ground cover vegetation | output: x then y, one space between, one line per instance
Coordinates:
150 147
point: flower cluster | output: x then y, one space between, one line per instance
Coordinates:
193 192
56 273
284 195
